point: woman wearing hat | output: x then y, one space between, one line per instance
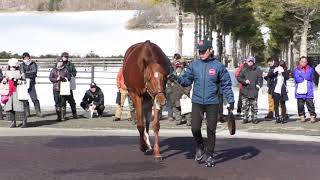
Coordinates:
14 108
57 75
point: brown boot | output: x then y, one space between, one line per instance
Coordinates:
313 119
302 119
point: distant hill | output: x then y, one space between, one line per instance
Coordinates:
67 5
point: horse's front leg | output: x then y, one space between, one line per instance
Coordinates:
137 101
156 127
147 112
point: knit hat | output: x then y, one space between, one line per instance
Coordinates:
251 58
13 62
93 85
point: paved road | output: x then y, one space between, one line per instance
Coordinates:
118 157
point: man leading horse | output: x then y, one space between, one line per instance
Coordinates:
208 76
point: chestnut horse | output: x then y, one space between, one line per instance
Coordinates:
145 70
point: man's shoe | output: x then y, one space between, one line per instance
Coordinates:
210 161
116 119
199 154
313 119
302 119
170 118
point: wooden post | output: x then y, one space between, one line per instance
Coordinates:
92 73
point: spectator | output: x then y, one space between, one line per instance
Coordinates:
29 71
270 83
239 106
93 97
279 77
303 77
176 93
14 108
124 94
57 75
73 73
251 79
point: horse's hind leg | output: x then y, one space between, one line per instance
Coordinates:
137 101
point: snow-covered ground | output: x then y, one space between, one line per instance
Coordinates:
103 32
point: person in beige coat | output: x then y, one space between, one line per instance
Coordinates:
14 108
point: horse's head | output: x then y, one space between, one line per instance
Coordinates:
155 81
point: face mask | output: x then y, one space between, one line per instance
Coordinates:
59 64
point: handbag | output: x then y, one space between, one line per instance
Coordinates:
118 99
4 87
186 105
22 91
73 83
65 88
302 87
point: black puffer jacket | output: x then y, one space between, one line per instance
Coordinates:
96 97
270 80
254 75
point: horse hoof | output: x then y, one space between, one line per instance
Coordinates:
148 152
158 158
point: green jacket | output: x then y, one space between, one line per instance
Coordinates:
71 69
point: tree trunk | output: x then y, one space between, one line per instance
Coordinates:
196 19
304 38
200 27
179 29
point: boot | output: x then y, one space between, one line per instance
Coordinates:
302 119
283 120
74 112
313 119
269 115
1 114
13 124
63 113
27 108
278 120
58 112
24 123
37 108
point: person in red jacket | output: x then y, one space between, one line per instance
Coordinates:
123 95
239 106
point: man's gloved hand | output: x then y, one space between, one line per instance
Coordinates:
230 106
172 77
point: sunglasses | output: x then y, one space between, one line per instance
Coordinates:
250 61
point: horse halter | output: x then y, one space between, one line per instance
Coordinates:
150 92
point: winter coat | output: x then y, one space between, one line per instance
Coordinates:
272 76
300 75
120 80
236 74
71 68
13 104
254 75
30 71
96 97
55 72
270 80
174 92
208 76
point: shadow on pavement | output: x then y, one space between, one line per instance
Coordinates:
185 145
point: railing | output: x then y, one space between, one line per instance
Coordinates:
87 68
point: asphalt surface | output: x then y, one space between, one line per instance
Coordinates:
118 157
